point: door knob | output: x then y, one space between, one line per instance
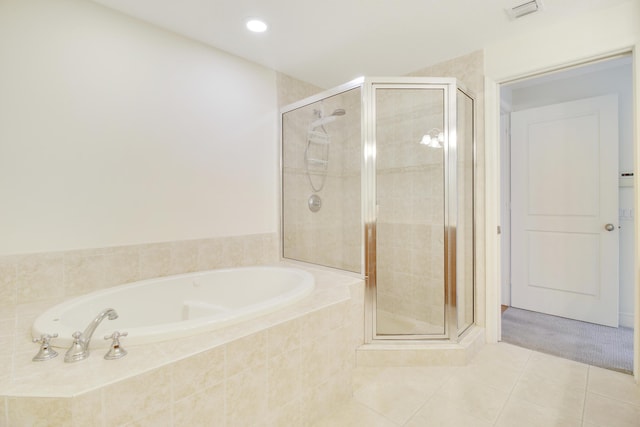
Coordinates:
609 227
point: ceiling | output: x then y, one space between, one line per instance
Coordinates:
330 42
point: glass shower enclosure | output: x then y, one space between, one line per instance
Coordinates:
377 178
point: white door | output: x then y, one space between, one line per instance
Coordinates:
564 209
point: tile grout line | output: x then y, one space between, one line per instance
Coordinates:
608 396
356 401
513 388
586 391
433 395
224 375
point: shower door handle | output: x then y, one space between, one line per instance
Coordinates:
609 227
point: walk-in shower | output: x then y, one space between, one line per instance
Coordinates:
396 198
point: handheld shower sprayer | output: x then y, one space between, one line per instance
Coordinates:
323 120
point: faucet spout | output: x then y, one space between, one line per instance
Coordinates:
79 350
91 327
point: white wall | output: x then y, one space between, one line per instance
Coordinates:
114 132
577 40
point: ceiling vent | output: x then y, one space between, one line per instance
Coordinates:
524 9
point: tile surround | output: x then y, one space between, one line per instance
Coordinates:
250 373
36 277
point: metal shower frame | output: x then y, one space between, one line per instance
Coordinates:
368 85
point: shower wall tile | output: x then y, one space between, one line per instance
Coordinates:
410 264
290 90
469 70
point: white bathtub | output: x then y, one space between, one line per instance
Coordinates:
177 306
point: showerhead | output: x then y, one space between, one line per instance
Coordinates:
326 119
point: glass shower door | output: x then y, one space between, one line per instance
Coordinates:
321 216
465 271
410 136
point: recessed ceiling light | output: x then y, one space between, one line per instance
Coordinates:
256 26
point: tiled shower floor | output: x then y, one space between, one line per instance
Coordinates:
503 386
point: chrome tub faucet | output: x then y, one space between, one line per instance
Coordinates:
79 349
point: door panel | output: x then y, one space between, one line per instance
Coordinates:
551 162
564 191
557 262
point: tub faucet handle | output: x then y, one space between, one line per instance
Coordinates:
45 352
77 351
115 351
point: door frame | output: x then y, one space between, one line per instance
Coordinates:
493 190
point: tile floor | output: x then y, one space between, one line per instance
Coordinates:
504 386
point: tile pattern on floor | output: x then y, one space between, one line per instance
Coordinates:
503 386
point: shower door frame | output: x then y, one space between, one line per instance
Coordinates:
369 202
367 271
346 87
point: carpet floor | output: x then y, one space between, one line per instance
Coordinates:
597 345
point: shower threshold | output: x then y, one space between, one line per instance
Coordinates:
422 352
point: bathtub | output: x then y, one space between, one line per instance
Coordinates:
177 306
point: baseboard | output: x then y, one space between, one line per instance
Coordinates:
625 319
